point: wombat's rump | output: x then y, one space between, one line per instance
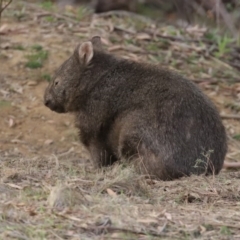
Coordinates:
140 112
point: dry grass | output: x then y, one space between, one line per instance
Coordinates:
68 200
48 189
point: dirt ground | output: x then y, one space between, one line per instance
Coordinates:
48 189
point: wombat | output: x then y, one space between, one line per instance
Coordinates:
100 6
108 5
127 110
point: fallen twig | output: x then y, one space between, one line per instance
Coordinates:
2 8
122 13
227 65
118 28
216 224
109 228
230 116
231 164
16 235
116 229
56 15
179 39
205 80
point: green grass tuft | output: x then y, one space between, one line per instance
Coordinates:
19 47
237 137
225 230
37 57
4 104
48 5
46 77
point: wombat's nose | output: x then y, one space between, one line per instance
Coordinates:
47 103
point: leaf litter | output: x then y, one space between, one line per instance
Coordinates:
49 189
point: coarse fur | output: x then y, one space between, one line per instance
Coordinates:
109 5
138 112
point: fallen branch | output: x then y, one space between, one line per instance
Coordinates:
218 224
122 13
210 81
179 39
230 116
56 15
108 228
2 8
116 229
227 164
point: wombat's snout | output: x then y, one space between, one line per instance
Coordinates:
47 102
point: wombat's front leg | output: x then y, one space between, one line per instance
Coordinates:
100 155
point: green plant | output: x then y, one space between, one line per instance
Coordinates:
237 137
49 19
4 104
201 163
19 47
37 57
46 77
223 45
225 230
152 47
37 47
129 41
212 36
19 14
48 5
81 13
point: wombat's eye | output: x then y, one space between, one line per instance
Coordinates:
55 83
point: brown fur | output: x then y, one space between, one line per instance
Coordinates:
127 110
108 5
103 5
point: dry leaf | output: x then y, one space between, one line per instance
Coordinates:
48 142
32 212
143 36
16 88
11 123
114 48
14 186
168 216
105 41
111 192
16 141
31 83
3 29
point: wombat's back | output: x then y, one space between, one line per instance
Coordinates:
176 129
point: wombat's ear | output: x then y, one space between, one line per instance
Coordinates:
96 41
85 52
